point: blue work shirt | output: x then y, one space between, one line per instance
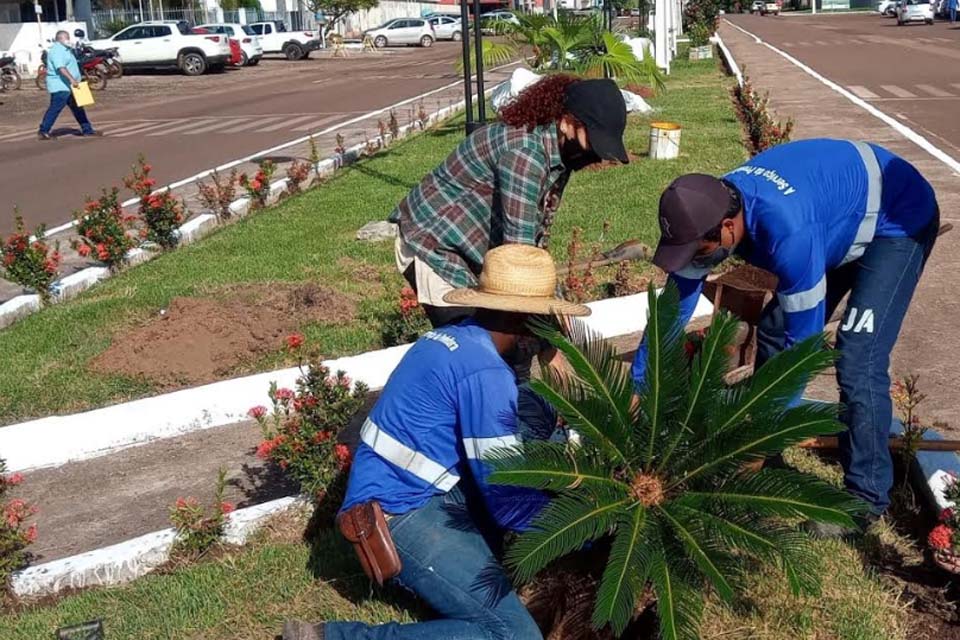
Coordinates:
451 400
805 208
58 57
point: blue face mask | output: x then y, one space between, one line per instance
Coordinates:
712 259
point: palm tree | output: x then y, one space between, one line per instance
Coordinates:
661 475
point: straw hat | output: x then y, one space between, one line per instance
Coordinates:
517 278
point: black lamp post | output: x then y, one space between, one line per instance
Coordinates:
478 44
481 119
465 41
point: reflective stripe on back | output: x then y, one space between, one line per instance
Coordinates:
804 300
868 226
399 454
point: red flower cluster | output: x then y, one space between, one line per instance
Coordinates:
297 173
408 301
102 229
258 188
295 341
197 527
266 448
941 537
30 264
160 212
219 194
15 534
343 456
406 322
284 395
945 537
257 412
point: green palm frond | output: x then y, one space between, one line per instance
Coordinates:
494 54
781 492
726 451
666 377
625 575
716 565
563 526
552 466
679 604
595 363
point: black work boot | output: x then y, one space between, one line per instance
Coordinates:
297 630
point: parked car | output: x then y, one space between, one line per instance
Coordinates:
403 31
295 45
495 21
236 54
915 11
250 46
771 7
756 6
887 8
446 27
167 44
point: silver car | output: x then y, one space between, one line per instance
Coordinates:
403 31
915 11
446 27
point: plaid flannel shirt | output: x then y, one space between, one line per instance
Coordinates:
500 186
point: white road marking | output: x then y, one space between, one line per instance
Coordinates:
185 126
934 91
863 92
229 122
10 136
821 43
285 123
787 44
897 126
897 91
141 128
251 124
803 44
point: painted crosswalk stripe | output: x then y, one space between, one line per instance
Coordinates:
787 44
955 85
216 126
821 43
315 125
183 127
285 123
143 127
251 124
897 91
934 91
943 39
18 134
803 44
863 92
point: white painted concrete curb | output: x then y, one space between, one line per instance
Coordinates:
731 63
133 558
56 440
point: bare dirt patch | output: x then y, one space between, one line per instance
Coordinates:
198 340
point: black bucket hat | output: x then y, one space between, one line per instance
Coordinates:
599 105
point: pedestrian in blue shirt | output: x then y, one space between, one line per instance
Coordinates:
63 73
827 217
451 400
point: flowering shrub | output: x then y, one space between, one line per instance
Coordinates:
30 264
297 173
15 535
423 118
198 527
160 212
394 125
944 538
258 188
218 194
404 323
300 430
579 284
762 132
102 230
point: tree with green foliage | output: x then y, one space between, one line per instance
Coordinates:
660 476
336 10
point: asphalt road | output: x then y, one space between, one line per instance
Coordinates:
186 125
912 72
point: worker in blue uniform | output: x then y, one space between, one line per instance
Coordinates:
450 401
827 217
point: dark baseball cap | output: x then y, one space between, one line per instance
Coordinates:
599 105
691 206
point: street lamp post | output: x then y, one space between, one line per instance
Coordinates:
465 41
478 43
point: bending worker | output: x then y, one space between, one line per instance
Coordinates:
503 184
451 399
827 217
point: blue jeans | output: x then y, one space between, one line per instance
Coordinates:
953 14
881 284
449 562
58 101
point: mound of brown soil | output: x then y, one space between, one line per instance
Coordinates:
198 340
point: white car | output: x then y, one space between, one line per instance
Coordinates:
403 31
251 49
887 7
446 27
915 11
166 44
274 37
495 21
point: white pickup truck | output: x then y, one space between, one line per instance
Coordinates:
168 44
295 45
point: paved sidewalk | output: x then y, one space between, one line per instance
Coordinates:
928 344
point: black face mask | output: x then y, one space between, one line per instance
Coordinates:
575 157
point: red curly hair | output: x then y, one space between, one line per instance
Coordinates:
540 103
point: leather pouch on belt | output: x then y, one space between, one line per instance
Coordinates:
364 527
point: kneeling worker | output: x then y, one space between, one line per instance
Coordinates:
451 399
827 217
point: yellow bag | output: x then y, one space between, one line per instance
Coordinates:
82 95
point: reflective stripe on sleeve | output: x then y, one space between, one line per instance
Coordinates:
394 451
868 226
477 448
804 300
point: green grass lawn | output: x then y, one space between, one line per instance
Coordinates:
46 356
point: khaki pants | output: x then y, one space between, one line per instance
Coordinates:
430 287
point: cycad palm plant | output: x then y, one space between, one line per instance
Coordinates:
661 476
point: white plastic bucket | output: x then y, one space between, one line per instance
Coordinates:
664 140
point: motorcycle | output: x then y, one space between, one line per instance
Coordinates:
92 69
9 76
111 59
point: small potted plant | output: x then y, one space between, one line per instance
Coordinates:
700 47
